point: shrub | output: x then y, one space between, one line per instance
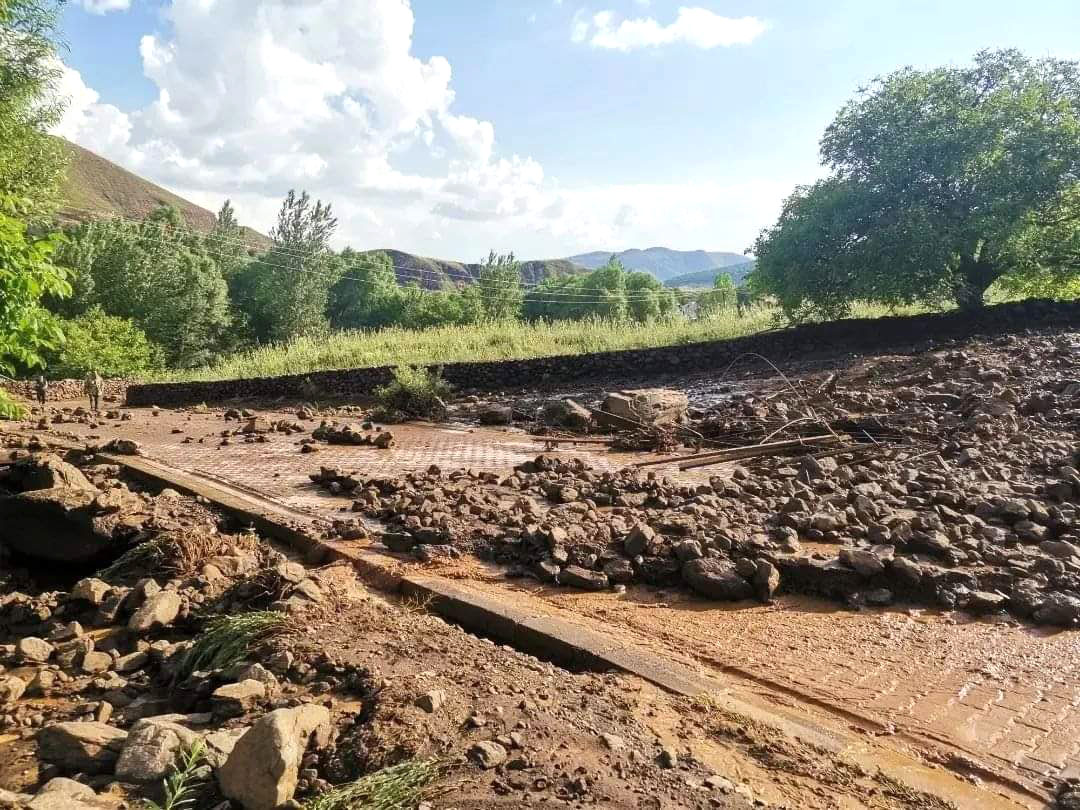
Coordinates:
414 392
112 346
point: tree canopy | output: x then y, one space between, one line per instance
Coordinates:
942 182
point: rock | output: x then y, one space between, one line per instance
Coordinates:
716 578
985 601
619 570
642 540
237 699
1060 549
574 576
491 413
487 754
91 590
1059 609
669 757
47 472
431 701
54 524
161 609
132 662
866 563
653 406
567 413
151 748
766 580
94 663
87 747
34 650
262 771
613 741
67 794
220 744
123 447
11 688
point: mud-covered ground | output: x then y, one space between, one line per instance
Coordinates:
101 697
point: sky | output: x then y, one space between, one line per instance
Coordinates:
449 128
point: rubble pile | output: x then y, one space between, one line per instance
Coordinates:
984 517
367 434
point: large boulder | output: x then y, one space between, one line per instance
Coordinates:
567 413
68 524
262 771
716 578
81 747
46 471
653 406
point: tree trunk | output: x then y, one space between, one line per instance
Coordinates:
975 277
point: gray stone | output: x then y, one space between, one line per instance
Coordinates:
67 794
151 748
866 563
766 580
431 701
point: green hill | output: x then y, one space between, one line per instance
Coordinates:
705 278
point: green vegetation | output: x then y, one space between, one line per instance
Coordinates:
397 346
228 639
943 182
186 780
399 787
414 392
112 346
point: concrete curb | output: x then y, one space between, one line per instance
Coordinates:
552 638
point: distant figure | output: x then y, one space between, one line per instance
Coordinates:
92 387
742 300
41 388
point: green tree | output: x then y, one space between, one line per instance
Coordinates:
647 299
720 297
367 295
31 162
112 346
158 274
604 291
284 293
498 286
937 177
26 274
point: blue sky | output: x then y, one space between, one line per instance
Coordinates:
537 126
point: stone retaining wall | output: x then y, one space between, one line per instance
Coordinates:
844 337
113 391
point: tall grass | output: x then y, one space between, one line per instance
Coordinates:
511 340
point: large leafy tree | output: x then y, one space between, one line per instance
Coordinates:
157 273
31 162
367 295
284 293
498 287
942 182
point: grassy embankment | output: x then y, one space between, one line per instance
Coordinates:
502 341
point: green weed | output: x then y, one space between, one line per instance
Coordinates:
399 787
228 639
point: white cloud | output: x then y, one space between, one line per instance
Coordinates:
694 26
101 128
105 6
258 96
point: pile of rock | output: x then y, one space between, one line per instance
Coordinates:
365 435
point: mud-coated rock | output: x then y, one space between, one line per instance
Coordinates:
86 747
574 576
653 406
263 768
1059 609
766 580
716 578
487 754
67 794
47 471
161 609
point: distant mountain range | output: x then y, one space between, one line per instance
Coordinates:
664 263
97 188
705 278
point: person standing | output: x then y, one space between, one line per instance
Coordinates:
92 387
41 388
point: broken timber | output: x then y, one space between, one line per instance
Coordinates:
749 451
